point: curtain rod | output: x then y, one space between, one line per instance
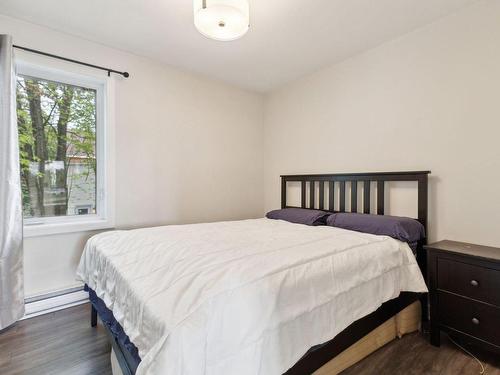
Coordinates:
125 74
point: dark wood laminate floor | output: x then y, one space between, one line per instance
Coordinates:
63 343
59 343
413 355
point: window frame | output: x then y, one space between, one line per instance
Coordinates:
104 216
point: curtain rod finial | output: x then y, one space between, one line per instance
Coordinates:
126 75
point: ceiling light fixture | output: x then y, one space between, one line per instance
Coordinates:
222 20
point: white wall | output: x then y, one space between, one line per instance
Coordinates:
428 100
188 149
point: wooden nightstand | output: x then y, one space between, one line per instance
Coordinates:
464 286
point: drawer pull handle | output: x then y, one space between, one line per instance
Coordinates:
475 321
474 283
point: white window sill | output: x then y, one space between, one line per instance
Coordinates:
70 226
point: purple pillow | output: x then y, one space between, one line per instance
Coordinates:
299 216
401 228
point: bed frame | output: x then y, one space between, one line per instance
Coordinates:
326 185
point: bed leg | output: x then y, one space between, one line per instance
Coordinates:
93 317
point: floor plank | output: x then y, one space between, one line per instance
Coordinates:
55 344
413 355
63 343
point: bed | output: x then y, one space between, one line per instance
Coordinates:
253 296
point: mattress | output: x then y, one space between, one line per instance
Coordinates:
246 297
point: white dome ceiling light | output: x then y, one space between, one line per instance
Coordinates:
222 20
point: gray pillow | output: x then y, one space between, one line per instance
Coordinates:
299 216
401 228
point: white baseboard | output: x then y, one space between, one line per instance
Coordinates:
54 302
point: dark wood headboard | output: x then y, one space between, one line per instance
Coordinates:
421 177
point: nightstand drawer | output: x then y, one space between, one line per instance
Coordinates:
474 318
469 280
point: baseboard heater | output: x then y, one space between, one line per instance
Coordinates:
50 302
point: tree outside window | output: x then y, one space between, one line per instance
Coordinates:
57 144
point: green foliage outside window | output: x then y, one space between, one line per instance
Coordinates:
57 147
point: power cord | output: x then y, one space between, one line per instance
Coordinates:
481 372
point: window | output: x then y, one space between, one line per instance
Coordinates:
61 125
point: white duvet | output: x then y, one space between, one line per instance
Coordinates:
241 297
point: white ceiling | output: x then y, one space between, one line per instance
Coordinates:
287 38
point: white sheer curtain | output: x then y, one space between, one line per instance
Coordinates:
11 219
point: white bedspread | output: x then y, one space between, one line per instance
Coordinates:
241 297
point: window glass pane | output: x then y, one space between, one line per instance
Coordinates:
57 144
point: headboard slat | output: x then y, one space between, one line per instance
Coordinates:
354 196
380 197
312 190
303 194
366 196
342 196
321 195
331 195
